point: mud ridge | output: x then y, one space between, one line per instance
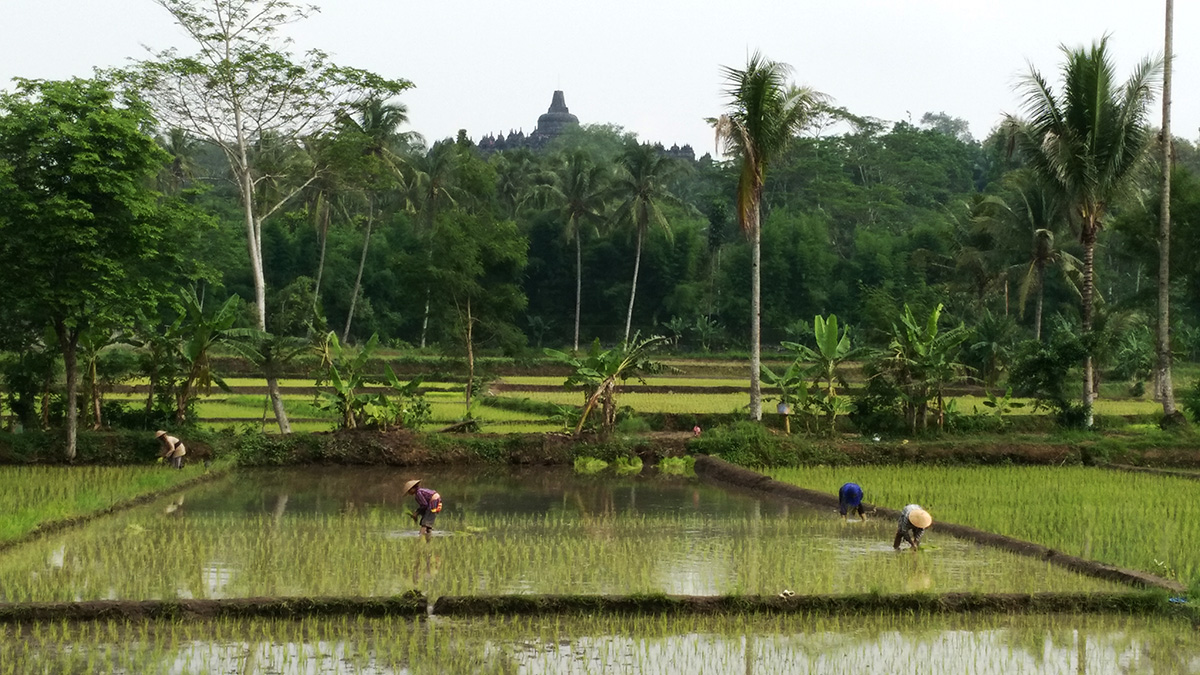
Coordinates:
1001 603
722 473
1189 475
409 604
414 604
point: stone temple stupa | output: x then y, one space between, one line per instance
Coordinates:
555 121
552 124
549 126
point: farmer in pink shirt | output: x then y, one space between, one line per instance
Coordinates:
429 504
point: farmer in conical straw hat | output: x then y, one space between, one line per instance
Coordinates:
172 448
912 524
850 498
429 504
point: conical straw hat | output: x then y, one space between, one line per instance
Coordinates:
920 518
409 485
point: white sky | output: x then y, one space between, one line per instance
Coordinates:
652 66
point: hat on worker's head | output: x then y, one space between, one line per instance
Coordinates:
920 518
410 485
160 433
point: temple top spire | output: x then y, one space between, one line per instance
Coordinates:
558 104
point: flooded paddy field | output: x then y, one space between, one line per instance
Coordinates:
1074 644
336 531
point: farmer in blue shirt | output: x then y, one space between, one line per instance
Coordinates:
850 498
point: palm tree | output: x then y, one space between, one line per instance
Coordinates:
434 183
1087 143
182 170
641 188
376 125
582 191
765 113
1030 207
319 198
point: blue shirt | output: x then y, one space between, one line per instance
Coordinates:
849 496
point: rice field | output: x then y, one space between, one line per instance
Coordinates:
1067 644
34 495
1141 521
346 532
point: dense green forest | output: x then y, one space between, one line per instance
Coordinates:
128 216
856 224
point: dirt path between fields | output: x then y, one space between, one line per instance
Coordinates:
722 473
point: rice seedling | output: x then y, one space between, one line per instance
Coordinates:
35 495
1142 521
266 535
677 466
640 644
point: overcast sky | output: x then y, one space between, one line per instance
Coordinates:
653 66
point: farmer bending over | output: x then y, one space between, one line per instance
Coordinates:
429 504
913 521
172 448
850 498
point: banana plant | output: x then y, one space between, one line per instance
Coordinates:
793 390
923 360
600 370
832 352
345 367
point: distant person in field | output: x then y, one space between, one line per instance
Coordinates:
912 524
429 504
850 498
172 448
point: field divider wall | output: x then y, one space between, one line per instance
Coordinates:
52 526
414 604
1157 472
410 604
721 473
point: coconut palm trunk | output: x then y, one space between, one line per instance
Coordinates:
1165 389
1041 298
637 264
755 316
323 233
1089 289
362 262
579 285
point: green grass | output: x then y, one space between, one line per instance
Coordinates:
1142 521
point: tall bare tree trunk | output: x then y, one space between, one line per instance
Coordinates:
578 285
254 242
1165 388
755 317
637 263
1089 254
362 262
